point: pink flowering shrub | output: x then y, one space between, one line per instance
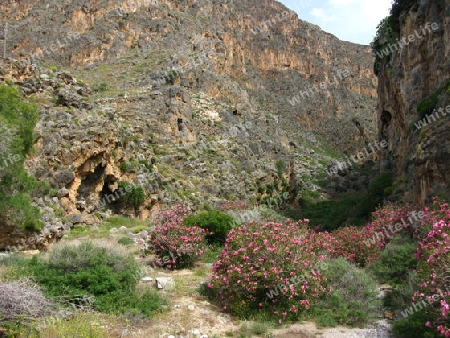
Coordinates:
350 243
270 268
362 245
174 245
433 269
233 205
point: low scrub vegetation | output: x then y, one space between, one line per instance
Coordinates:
100 276
352 297
59 294
266 272
351 210
286 271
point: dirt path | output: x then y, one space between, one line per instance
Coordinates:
309 329
191 315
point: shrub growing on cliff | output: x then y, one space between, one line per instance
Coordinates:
17 121
216 223
133 195
19 115
388 31
398 8
427 105
384 37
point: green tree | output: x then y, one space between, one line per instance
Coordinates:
17 120
133 195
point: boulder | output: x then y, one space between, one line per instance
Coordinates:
165 283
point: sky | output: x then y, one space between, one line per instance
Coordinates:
350 20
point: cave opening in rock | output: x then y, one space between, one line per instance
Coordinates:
90 181
111 197
180 124
385 119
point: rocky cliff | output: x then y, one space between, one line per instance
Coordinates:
192 99
413 111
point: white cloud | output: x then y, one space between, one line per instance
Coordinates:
318 13
352 20
341 3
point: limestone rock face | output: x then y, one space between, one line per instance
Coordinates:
420 157
190 99
253 54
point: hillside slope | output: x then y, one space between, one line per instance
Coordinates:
194 100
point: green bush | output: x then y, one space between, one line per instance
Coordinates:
126 166
399 298
427 105
171 76
379 186
395 261
148 166
216 223
21 211
139 228
353 299
87 270
20 115
17 121
413 326
141 302
379 189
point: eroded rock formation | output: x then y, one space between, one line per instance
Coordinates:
419 155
